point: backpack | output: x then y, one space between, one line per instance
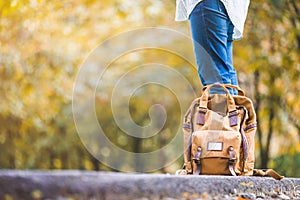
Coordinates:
219 135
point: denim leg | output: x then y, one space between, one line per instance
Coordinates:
207 70
211 31
232 71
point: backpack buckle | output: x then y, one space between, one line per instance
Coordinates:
231 160
233 118
198 155
197 159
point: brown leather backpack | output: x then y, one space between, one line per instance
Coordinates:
219 135
219 131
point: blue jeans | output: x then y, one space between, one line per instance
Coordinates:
212 31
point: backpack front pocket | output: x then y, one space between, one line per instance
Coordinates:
216 152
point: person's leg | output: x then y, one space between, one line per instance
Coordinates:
229 63
207 70
210 26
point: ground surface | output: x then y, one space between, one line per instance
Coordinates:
120 186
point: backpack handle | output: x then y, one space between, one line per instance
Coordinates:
240 91
204 98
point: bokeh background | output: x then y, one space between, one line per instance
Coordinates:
43 44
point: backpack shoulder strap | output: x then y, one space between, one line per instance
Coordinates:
267 172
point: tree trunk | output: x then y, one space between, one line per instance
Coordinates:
137 148
257 107
266 151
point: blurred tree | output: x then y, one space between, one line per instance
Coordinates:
273 29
